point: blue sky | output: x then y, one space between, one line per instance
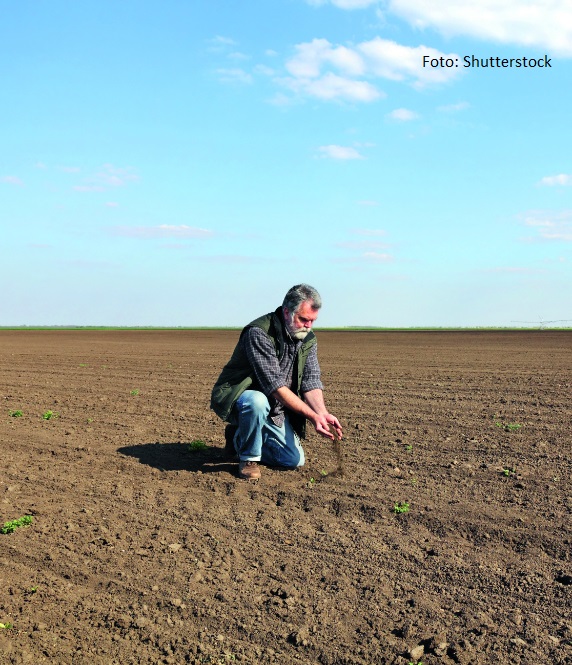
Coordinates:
183 163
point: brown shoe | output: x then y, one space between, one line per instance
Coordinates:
249 470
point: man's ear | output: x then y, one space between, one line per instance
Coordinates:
286 312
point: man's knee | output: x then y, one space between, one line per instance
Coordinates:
254 401
293 458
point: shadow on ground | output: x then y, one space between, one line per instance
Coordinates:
177 457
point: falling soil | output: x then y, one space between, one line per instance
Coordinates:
337 447
143 549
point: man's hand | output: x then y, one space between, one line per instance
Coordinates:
322 423
313 408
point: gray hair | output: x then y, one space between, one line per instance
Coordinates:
299 294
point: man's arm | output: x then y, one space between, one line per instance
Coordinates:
313 409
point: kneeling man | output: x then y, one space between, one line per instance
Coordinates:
271 386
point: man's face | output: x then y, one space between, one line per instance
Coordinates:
300 323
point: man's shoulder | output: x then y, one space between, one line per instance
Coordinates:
266 322
260 331
262 322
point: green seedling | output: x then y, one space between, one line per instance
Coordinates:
12 525
400 507
419 662
196 446
32 590
134 392
508 427
6 626
16 414
90 420
323 473
48 415
408 447
312 481
509 471
83 364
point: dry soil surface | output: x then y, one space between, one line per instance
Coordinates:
143 551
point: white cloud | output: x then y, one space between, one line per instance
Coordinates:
264 70
454 108
237 55
89 188
562 179
312 56
545 24
339 152
403 115
12 180
393 61
114 176
368 249
311 75
108 177
162 231
234 75
219 43
329 72
331 86
550 224
377 257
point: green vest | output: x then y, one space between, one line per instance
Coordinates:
237 375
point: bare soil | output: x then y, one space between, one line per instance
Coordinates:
142 551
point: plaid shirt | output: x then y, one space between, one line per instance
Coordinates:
272 373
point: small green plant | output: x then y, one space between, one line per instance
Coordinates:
16 414
12 525
32 590
6 626
196 446
508 427
135 392
49 415
509 471
409 447
90 420
83 364
323 473
419 662
312 481
400 507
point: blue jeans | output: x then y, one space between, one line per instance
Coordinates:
259 439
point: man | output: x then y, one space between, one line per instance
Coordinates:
271 386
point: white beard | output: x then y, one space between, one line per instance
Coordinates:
300 334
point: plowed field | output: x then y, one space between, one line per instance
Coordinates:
143 551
